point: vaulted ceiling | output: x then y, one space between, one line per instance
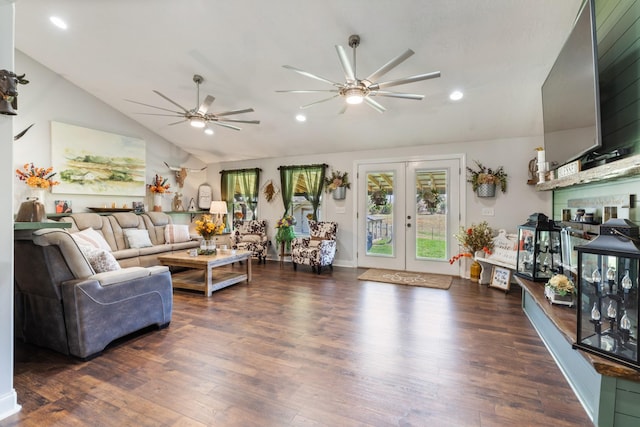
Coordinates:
498 52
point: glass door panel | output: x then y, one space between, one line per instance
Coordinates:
432 215
380 219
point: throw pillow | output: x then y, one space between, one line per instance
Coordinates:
176 233
251 238
100 260
91 237
138 238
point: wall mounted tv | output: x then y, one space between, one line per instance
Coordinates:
570 95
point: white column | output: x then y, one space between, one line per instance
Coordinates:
8 398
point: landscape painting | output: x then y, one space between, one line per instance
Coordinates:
89 161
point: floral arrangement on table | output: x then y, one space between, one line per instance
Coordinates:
207 228
238 215
37 177
473 239
561 285
285 233
336 180
485 175
159 185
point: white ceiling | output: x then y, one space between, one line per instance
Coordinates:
497 51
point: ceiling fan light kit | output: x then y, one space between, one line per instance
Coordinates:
356 90
199 117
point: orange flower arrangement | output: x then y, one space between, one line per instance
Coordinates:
159 185
475 238
37 177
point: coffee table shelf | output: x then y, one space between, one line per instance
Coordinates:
203 275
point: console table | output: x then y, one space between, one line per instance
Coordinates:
608 391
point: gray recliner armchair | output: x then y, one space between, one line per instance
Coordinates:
63 304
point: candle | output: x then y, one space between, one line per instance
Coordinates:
541 156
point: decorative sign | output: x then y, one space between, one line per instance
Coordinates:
568 169
500 278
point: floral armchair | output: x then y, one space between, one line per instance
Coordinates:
317 250
251 236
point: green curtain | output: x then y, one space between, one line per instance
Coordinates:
314 177
248 181
286 184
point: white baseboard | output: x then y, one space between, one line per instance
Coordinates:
9 404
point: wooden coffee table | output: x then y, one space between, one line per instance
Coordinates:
201 276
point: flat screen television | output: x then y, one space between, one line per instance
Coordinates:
570 95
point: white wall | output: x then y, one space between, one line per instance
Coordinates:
49 97
511 208
8 397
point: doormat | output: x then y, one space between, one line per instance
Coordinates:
425 280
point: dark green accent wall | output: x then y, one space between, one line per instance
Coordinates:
618 34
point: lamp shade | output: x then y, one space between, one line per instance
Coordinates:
218 207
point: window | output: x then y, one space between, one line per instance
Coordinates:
240 190
301 193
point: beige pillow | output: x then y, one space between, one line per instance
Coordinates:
314 243
91 237
176 233
252 238
101 260
138 238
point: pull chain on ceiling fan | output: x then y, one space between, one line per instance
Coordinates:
199 117
354 90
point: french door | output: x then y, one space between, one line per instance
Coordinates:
407 215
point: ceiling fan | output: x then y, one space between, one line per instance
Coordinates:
356 90
200 117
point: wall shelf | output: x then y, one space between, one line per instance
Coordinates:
624 168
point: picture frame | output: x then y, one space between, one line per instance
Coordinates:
500 278
63 206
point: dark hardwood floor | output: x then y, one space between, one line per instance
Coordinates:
299 349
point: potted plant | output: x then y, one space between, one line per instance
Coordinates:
484 180
560 290
158 187
431 198
474 239
379 197
285 233
337 183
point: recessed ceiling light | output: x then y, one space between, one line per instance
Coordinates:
456 95
301 118
58 22
208 131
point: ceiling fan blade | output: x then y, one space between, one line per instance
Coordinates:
172 101
308 91
204 107
397 95
164 115
252 122
373 104
225 125
313 76
389 66
153 106
176 123
317 102
346 64
228 113
405 80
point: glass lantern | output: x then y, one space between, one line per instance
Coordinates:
608 293
539 250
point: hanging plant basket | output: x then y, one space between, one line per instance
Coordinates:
339 193
486 190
